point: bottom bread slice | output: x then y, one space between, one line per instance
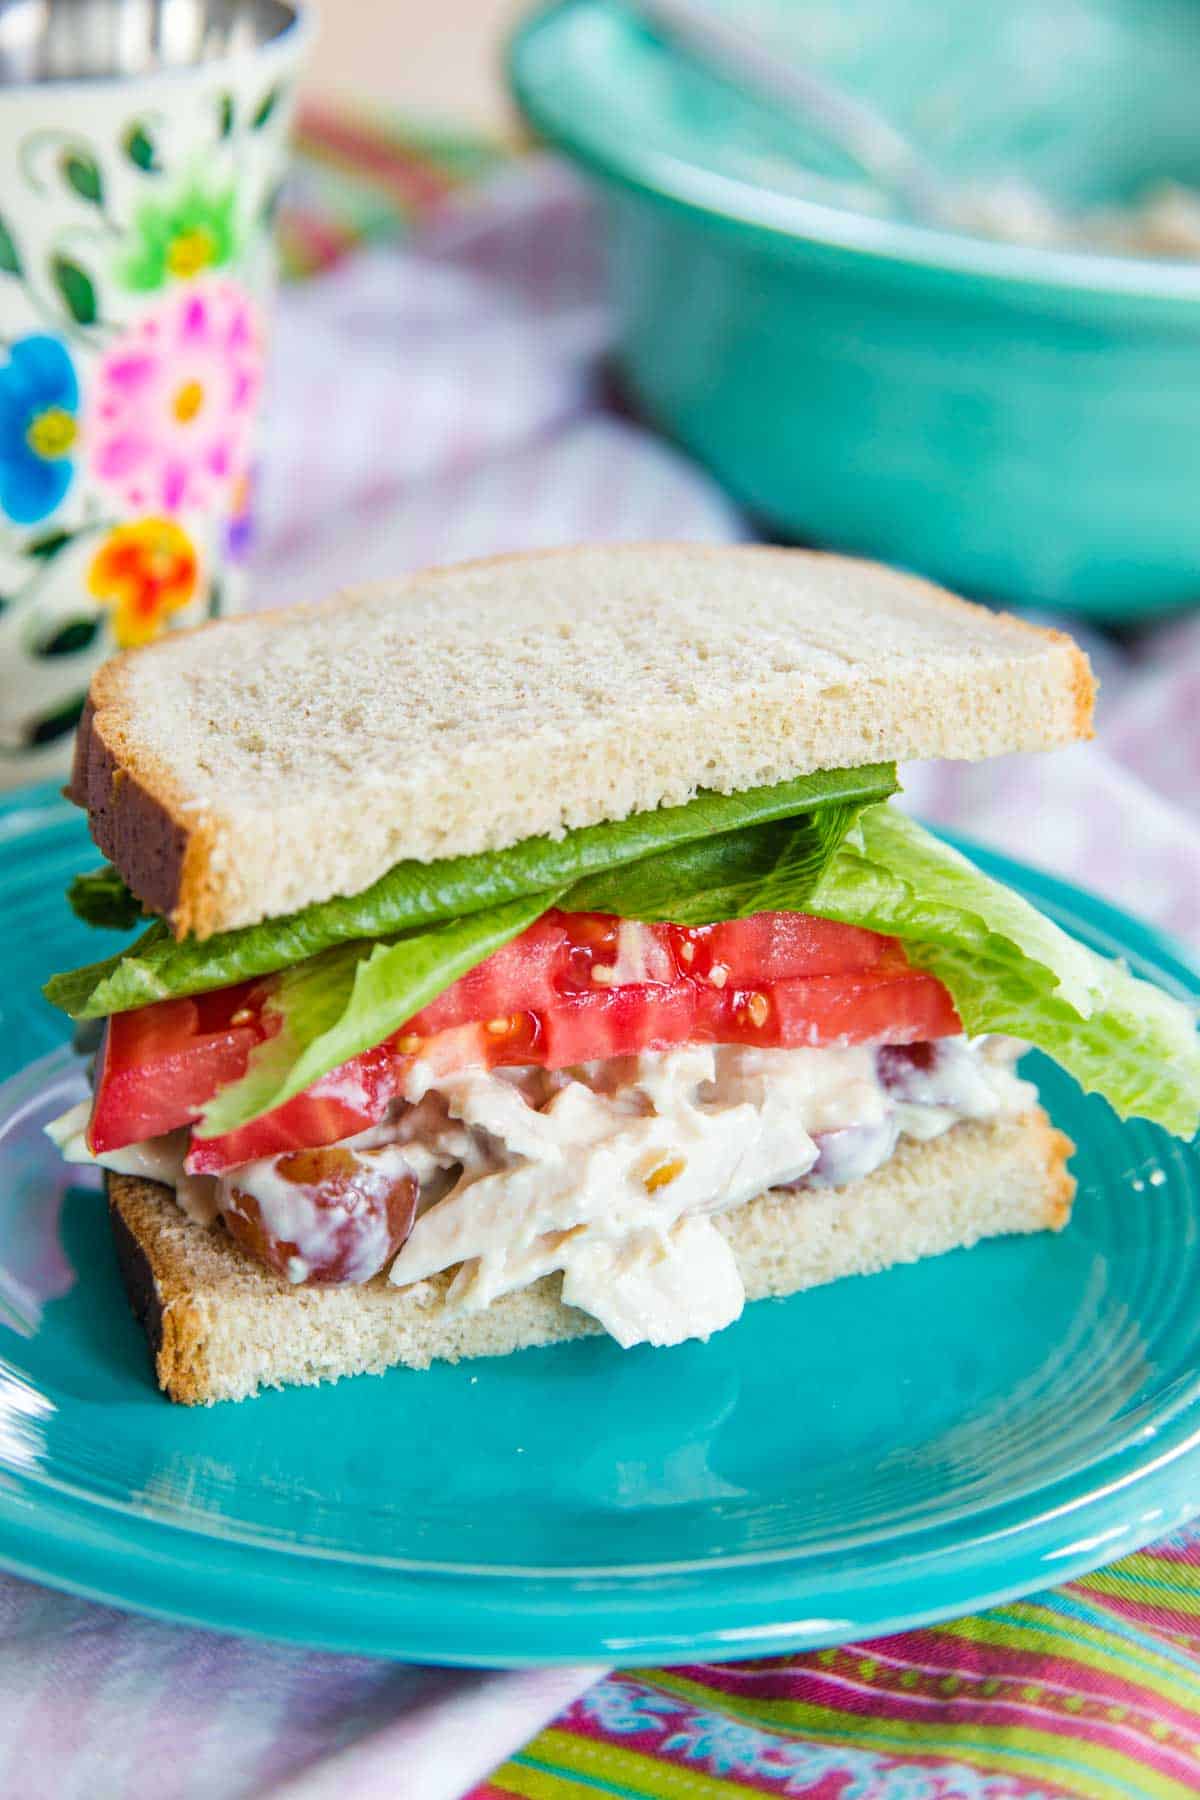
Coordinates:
220 1326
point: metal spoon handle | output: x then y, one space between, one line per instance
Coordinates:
858 130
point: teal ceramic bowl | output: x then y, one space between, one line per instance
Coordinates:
1021 423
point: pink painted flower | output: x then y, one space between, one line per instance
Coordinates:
174 401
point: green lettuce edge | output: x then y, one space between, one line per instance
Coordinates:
414 895
1010 969
352 996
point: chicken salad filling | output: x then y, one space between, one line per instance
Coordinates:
610 1173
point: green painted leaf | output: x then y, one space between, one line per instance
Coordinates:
75 635
266 107
140 148
10 262
271 202
49 544
55 725
76 288
82 172
226 114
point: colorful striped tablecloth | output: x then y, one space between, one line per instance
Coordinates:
1093 1690
444 397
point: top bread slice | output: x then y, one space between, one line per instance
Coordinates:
243 770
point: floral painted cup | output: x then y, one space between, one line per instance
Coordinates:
142 148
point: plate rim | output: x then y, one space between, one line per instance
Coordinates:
751 1602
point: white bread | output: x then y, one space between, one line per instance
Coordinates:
221 1327
244 770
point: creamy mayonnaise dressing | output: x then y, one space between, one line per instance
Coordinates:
156 1159
610 1173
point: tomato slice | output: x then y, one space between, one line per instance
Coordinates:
524 975
339 1105
620 1021
573 988
160 1064
884 1005
773 946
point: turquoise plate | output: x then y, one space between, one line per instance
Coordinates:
843 1464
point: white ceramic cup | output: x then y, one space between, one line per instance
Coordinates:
142 147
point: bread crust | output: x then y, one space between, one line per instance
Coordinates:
220 1326
134 813
167 844
174 1327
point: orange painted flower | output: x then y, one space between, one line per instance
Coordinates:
144 572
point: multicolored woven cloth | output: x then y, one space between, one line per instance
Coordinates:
445 398
360 175
1092 1691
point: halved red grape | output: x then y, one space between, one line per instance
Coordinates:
323 1216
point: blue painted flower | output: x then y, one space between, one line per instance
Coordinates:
39 406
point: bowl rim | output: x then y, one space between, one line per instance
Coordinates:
778 215
291 44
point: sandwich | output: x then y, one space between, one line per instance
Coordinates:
535 948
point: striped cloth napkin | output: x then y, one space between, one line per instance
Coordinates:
440 393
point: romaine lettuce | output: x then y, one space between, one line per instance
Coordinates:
349 998
1009 969
353 971
413 895
352 996
102 898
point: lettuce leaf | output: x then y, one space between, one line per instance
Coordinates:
1009 969
846 857
102 898
413 894
350 998
767 868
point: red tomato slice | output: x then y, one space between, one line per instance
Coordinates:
774 946
339 1105
573 988
884 1005
159 1064
524 975
618 1021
